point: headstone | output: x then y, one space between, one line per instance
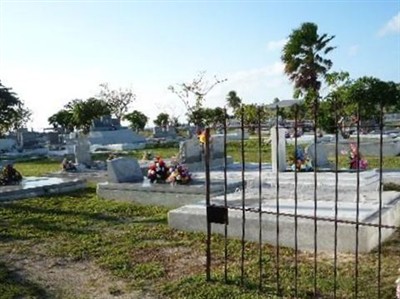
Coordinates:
321 159
157 131
217 147
53 138
124 170
278 149
190 151
171 131
82 151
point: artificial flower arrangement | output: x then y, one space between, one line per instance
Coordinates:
179 174
176 173
10 176
158 171
356 157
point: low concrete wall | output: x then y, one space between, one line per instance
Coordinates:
122 136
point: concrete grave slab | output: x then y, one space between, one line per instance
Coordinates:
39 186
163 194
193 218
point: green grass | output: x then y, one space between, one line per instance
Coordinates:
38 167
134 243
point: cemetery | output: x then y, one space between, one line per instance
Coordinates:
125 179
220 195
122 180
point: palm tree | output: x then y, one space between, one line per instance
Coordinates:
233 101
304 61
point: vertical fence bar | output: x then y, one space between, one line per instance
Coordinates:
278 287
315 193
207 169
259 198
380 197
225 201
335 260
296 258
357 203
243 197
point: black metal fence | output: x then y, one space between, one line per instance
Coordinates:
293 271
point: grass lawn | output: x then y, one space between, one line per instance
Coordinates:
52 246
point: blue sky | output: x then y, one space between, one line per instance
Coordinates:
54 51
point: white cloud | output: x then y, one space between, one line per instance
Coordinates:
258 86
353 50
391 27
276 45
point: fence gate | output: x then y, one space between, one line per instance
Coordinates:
316 222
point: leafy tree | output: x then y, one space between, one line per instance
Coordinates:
369 93
304 61
212 117
13 113
193 94
198 117
63 120
84 112
137 120
252 114
396 107
218 117
336 104
118 100
162 120
365 95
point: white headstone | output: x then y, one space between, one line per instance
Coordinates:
278 149
190 151
124 170
217 147
82 150
321 159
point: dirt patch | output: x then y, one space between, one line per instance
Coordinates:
63 278
177 261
